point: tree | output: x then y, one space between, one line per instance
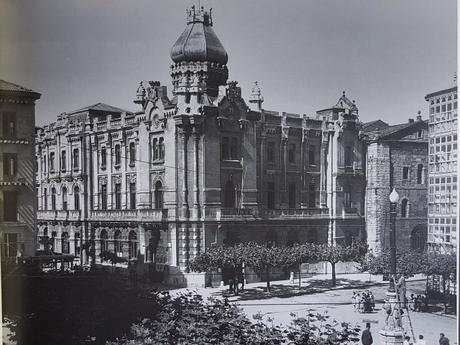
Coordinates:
341 253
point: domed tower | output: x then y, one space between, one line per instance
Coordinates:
199 63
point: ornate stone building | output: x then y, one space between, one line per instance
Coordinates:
17 171
397 157
442 198
201 168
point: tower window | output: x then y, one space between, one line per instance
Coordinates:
161 149
9 165
158 194
9 125
348 156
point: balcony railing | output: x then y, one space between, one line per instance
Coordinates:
294 213
59 215
235 214
154 215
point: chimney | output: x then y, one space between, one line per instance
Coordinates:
419 116
411 120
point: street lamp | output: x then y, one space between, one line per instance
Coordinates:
392 332
394 198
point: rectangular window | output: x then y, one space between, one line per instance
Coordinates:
132 154
10 245
291 153
104 197
234 149
103 158
348 156
118 196
10 206
51 162
76 159
405 173
311 155
438 109
225 148
271 195
292 196
9 125
9 165
45 199
117 155
132 196
63 161
270 151
311 195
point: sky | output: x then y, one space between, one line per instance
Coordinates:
386 54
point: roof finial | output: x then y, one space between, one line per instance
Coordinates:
343 93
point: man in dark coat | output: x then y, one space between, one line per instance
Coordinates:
366 337
443 340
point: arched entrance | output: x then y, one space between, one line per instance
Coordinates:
418 238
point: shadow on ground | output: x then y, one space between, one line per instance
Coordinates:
286 291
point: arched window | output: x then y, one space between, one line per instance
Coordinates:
132 241
64 198
117 242
52 241
404 208
161 148
53 199
104 237
65 243
418 238
158 194
76 198
229 195
420 173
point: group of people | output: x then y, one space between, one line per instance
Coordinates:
363 301
366 338
418 303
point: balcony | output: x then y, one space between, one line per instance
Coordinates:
67 215
144 215
294 213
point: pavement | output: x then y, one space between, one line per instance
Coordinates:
316 295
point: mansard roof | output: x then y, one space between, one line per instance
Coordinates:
102 107
11 87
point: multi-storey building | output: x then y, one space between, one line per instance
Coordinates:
17 171
165 182
442 195
397 157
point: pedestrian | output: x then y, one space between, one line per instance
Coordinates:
443 340
353 299
401 290
366 337
420 340
413 302
406 340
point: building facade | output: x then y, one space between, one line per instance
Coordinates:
442 197
180 174
397 157
17 171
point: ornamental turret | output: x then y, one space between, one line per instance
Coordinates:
256 99
199 63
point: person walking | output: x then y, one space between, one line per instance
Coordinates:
443 340
401 290
366 337
420 340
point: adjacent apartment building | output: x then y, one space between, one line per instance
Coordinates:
18 204
203 167
442 173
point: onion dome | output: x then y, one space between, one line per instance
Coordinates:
199 42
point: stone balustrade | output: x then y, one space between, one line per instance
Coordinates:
154 215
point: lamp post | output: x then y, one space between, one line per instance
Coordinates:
392 332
